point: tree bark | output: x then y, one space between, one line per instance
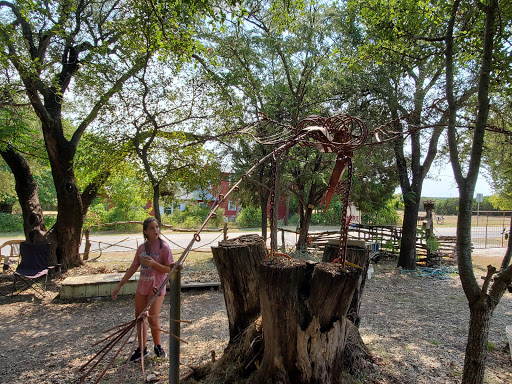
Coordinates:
508 254
359 256
407 257
303 307
237 261
26 189
70 210
156 202
476 347
304 227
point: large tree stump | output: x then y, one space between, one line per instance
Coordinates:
359 256
237 261
303 308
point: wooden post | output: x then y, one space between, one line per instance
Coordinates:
225 231
303 308
237 261
429 226
174 327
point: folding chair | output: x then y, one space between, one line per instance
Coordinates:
13 253
33 267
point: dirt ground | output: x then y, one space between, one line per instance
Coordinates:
415 326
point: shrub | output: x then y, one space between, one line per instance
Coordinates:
97 214
193 216
293 219
249 217
11 222
49 220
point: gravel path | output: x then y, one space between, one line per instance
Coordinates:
415 327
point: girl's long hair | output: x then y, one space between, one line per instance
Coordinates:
145 226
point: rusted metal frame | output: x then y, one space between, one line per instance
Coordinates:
342 252
296 139
275 157
220 200
105 350
273 178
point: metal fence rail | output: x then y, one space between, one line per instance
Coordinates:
490 229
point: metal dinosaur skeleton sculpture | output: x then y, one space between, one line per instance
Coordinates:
341 134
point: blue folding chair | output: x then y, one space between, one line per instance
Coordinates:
33 267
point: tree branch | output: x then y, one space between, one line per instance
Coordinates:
137 66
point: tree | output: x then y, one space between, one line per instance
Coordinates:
165 122
7 191
490 37
256 191
497 154
281 63
407 80
83 50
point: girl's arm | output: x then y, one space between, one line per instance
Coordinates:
129 273
150 262
162 268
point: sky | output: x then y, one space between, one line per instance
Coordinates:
443 184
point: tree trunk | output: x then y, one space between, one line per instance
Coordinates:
70 210
476 347
156 202
508 254
304 320
300 336
237 261
26 189
263 207
359 256
275 209
68 227
287 210
407 258
304 227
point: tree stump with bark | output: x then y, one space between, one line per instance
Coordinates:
302 334
303 307
359 256
237 261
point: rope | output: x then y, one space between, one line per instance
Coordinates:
198 249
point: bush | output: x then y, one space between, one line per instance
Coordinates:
97 214
193 216
49 220
11 222
293 219
249 217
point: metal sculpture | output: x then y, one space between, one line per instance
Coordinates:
341 134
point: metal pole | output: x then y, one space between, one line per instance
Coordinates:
174 328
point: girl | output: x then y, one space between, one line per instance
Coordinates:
155 259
